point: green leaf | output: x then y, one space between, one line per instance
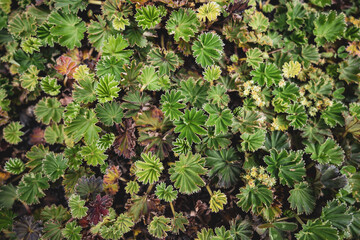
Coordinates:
72 231
288 167
212 73
56 213
114 46
166 193
109 113
194 92
171 103
31 45
24 60
44 34
241 229
12 132
31 188
256 198
22 25
277 140
5 5
252 142
297 116
35 156
317 230
99 31
291 69
178 223
106 141
217 201
48 109
220 118
329 27
54 134
302 198
222 234
217 95
135 36
29 79
224 165
186 172
254 57
321 3
54 166
332 115
327 152
259 22
84 91
309 54
267 74
7 196
183 24
295 15
77 207
337 214
209 11
69 28
14 166
93 155
84 126
50 86
159 226
110 66
190 125
132 187
148 17
124 223
208 49
164 60
107 89
149 169
71 6
349 70
52 230
205 234
6 219
149 79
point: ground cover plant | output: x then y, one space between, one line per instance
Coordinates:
124 119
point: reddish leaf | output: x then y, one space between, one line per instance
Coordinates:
65 66
124 144
99 208
37 136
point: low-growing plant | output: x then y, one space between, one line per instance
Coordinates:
209 120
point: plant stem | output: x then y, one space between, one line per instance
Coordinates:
26 206
150 187
162 41
299 219
281 219
209 190
123 179
310 165
96 2
172 208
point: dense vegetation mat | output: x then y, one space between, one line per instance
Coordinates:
179 119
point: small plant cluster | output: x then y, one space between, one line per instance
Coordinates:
209 120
